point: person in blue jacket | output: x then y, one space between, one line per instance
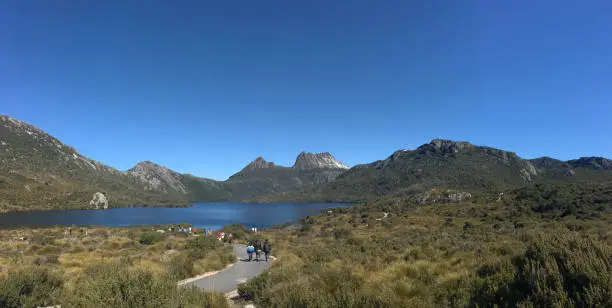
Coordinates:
250 250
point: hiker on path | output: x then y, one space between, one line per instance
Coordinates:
257 250
250 249
229 237
267 248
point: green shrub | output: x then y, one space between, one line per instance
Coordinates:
559 270
114 285
47 260
30 287
150 237
200 246
194 297
42 239
250 289
180 266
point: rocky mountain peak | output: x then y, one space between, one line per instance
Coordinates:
259 163
445 146
309 161
147 164
156 177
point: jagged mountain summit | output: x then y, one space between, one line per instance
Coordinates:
262 178
310 161
257 164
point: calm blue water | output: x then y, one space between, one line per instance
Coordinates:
202 215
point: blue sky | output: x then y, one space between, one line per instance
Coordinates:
207 86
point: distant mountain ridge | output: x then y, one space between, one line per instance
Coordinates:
38 171
449 164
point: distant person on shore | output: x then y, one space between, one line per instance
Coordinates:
250 250
229 238
267 248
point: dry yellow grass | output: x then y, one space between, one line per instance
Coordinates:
71 253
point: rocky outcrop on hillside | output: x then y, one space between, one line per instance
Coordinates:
435 196
99 201
259 163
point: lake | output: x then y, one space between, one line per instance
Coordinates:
202 215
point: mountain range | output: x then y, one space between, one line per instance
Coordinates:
37 171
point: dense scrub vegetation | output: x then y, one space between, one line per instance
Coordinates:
104 285
106 267
560 270
487 250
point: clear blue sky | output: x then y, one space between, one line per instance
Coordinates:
207 86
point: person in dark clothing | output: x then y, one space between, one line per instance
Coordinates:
267 248
257 250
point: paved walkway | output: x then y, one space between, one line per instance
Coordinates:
227 280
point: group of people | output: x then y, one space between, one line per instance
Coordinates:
184 229
221 237
258 248
68 231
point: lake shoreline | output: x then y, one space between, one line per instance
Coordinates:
210 215
86 208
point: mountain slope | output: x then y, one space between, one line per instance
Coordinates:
440 163
176 186
38 171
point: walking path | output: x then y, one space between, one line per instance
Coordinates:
227 280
